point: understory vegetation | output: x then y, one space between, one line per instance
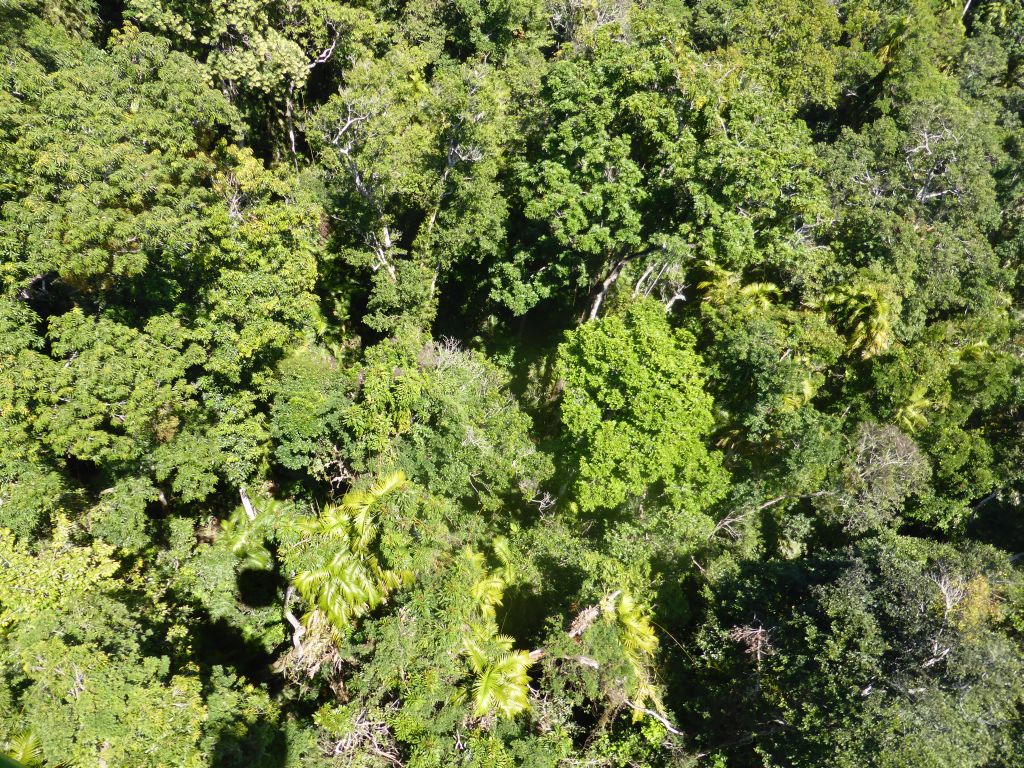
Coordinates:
485 383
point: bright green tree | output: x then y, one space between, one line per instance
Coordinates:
635 412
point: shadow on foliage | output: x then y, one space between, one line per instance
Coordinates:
219 643
527 606
755 594
259 588
998 524
261 744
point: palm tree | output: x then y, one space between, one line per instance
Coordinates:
638 641
895 37
864 313
759 296
794 401
488 592
353 581
724 285
347 587
24 749
501 683
489 586
245 540
910 416
634 627
807 387
996 12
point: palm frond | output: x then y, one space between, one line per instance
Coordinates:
759 295
637 632
25 748
503 552
387 484
489 592
864 313
352 582
503 686
911 415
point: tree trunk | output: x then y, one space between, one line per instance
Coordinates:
598 295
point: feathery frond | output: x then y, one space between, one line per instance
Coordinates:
503 686
864 313
25 748
352 582
910 416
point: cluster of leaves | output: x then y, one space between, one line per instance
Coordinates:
511 383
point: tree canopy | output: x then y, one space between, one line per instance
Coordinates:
483 383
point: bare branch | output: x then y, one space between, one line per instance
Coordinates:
660 718
250 511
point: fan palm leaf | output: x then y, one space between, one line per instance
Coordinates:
636 630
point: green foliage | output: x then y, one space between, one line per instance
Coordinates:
501 682
71 647
864 654
164 268
634 411
26 749
502 382
413 164
442 415
649 155
864 314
